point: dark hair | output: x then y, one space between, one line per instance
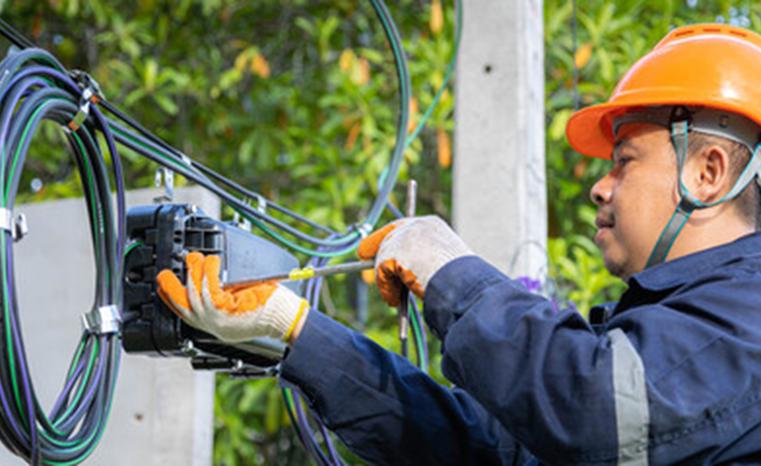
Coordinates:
749 200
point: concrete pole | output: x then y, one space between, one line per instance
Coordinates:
500 201
163 411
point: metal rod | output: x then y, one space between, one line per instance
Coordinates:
300 274
404 299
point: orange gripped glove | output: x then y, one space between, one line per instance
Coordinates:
408 252
264 310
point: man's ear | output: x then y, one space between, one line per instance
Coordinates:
706 174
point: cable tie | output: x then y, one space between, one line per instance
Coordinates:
186 160
84 109
102 320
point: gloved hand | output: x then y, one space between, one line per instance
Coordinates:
408 252
266 310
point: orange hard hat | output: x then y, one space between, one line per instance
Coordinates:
704 65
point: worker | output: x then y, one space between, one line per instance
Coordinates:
670 374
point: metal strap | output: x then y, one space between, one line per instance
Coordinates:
167 176
102 320
17 226
261 204
363 229
6 220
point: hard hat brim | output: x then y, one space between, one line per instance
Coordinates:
589 131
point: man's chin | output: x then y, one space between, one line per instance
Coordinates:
616 268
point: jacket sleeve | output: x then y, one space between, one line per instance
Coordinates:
385 409
671 379
546 375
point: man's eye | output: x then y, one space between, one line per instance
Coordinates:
621 161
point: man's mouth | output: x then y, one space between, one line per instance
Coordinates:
604 223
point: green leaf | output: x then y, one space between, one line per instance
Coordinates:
166 104
559 122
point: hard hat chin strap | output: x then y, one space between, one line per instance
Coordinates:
688 203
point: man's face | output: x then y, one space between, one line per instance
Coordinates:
636 198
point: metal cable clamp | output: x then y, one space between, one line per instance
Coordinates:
102 320
17 226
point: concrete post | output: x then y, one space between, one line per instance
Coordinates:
163 411
500 201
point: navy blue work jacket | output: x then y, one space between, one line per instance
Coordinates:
671 374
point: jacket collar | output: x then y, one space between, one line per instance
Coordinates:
677 272
654 284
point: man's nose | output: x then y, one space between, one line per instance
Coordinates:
602 190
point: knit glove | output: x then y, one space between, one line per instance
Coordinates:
409 252
265 310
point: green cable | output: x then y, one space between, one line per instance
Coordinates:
447 77
288 399
15 158
117 364
404 97
82 384
77 444
8 335
416 330
131 247
293 245
75 361
96 212
99 431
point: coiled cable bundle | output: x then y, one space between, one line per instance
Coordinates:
34 87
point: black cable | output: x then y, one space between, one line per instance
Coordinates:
14 37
